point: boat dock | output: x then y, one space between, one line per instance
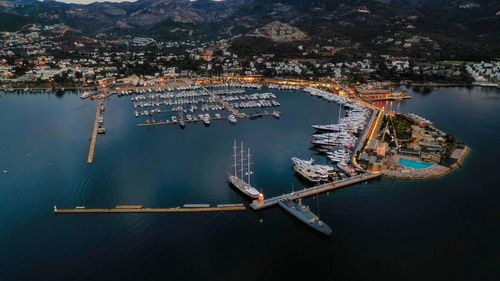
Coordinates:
373 126
170 122
307 192
223 103
261 114
95 131
187 208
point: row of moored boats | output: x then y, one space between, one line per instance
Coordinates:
337 141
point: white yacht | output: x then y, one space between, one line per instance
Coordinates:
232 119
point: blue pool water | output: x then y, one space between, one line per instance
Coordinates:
417 165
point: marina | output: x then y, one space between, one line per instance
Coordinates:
338 142
168 167
203 104
249 140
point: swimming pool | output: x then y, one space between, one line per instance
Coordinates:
417 165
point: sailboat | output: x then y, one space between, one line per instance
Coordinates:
237 179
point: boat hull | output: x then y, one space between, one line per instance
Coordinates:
244 187
305 216
301 173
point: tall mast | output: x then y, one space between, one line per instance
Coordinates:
249 171
241 160
234 156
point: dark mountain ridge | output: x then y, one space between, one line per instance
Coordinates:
466 24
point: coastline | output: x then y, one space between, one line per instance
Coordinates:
44 87
399 172
455 84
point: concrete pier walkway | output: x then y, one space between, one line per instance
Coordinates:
189 208
93 140
307 192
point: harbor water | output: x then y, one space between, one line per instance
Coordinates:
442 229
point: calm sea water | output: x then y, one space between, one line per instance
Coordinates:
444 229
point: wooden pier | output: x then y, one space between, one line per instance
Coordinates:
307 192
120 209
93 140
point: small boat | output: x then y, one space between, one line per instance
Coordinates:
87 94
206 121
232 119
276 114
302 212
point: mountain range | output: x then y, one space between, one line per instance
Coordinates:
461 21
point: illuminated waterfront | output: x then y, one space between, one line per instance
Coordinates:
381 229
